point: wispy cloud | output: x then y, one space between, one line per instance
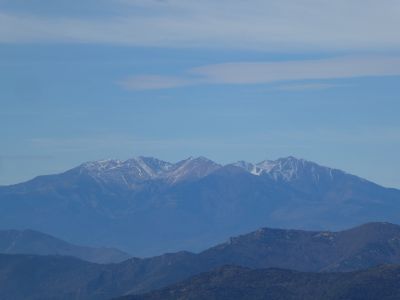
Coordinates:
295 87
151 82
264 72
270 72
284 25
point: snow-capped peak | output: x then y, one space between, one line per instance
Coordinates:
286 169
125 172
101 165
130 172
191 168
146 168
283 168
249 167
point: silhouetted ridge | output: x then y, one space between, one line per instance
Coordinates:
55 277
234 283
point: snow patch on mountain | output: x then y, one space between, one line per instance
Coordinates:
192 168
139 168
130 172
288 169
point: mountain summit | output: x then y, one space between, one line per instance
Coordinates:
288 169
190 204
126 172
147 168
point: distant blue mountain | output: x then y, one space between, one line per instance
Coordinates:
147 206
38 243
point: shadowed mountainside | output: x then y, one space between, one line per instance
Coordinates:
58 277
235 283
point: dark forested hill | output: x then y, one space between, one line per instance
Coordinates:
234 283
58 277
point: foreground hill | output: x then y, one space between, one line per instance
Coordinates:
56 277
33 242
147 206
361 247
234 283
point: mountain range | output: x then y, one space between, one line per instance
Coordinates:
147 206
230 282
31 277
38 243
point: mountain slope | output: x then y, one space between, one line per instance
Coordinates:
234 283
51 277
33 242
57 277
30 277
357 248
191 204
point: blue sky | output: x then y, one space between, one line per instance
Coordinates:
230 80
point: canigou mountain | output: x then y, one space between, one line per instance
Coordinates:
147 206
